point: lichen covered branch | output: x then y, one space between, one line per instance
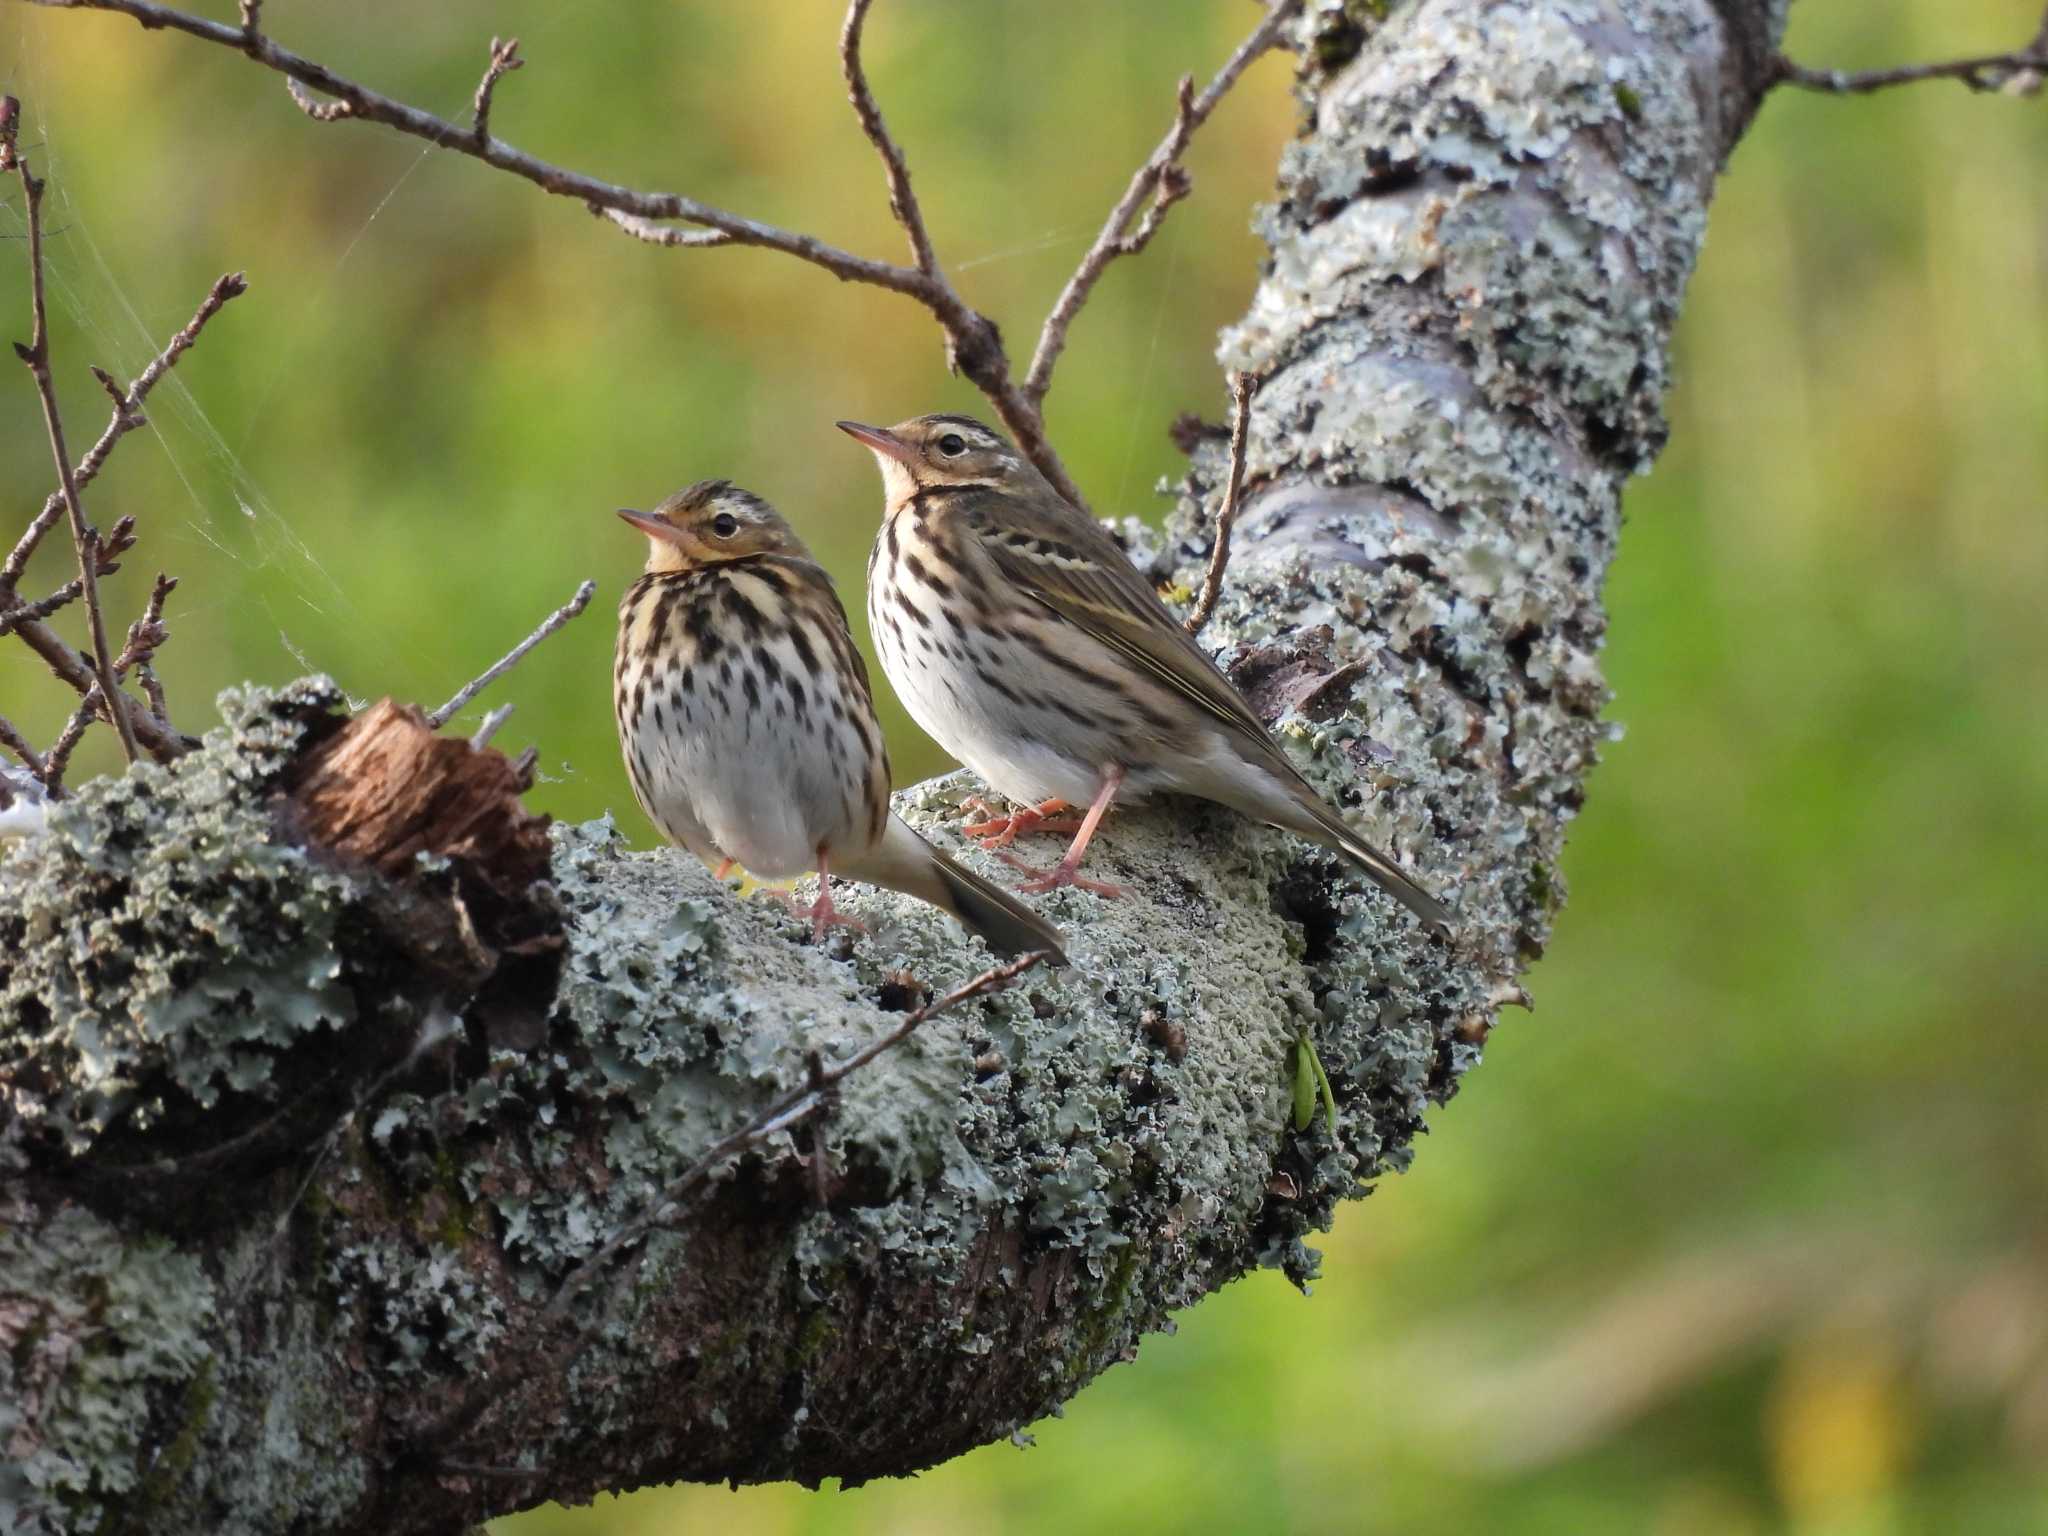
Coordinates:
1463 341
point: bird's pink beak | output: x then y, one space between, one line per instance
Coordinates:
653 527
881 441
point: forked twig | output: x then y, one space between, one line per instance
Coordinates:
788 1109
1163 179
512 658
973 344
12 739
1242 388
126 418
504 59
36 354
902 200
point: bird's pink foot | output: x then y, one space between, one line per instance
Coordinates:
999 830
725 867
1062 874
820 914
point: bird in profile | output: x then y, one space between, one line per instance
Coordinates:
747 725
1022 639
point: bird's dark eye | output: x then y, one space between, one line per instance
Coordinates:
952 445
725 525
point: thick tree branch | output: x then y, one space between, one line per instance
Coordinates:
501 1049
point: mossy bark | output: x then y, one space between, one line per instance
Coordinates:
276 1191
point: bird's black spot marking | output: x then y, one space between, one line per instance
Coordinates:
742 608
800 641
917 614
994 684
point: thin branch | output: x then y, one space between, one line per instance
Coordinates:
42 608
2018 73
1242 388
126 418
786 1110
36 354
74 669
661 234
511 658
974 345
12 739
319 111
147 634
902 199
493 722
504 59
68 738
1163 179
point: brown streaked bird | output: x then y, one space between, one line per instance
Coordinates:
747 724
1022 639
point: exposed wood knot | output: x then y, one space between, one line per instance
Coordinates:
384 790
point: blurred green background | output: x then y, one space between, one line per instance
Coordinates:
1747 1228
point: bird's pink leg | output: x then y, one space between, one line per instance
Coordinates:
725 867
1065 872
999 831
821 912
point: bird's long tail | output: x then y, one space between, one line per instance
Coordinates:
1315 820
905 862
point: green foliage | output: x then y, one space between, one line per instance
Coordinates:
1713 1242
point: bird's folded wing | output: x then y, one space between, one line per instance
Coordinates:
1090 582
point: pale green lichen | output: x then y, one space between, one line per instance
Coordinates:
160 949
1480 247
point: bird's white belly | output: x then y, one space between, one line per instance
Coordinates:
1025 754
752 781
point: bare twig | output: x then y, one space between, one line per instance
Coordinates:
1242 387
126 418
661 234
68 738
902 200
319 111
511 658
2018 73
145 636
147 633
75 670
786 1110
490 727
504 59
12 739
42 608
36 354
1161 178
974 345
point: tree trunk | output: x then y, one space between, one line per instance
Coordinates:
324 1067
